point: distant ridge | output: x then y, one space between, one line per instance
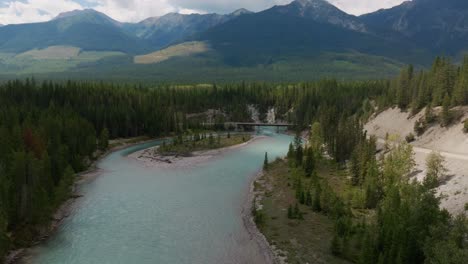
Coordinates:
309 36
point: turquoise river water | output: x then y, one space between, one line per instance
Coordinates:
135 214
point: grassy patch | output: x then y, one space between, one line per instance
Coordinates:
52 59
185 147
307 240
181 50
125 141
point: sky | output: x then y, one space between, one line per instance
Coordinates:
27 11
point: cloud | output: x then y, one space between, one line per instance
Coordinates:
137 10
359 7
356 7
14 12
227 6
24 11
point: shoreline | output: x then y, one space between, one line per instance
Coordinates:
248 220
18 256
250 196
196 158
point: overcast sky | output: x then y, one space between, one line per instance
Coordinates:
25 11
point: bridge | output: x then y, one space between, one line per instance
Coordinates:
261 124
237 125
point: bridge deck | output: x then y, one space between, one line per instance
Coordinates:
262 124
250 124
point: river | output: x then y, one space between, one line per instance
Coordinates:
135 214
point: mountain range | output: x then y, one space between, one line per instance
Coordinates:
303 40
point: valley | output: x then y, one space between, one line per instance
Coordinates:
289 40
186 132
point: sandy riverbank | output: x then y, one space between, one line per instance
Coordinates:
254 200
149 157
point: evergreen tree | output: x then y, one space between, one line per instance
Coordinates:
265 162
335 246
290 212
104 139
299 156
316 140
308 200
309 165
316 204
460 93
302 199
446 113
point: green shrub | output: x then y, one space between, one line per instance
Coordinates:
420 127
410 138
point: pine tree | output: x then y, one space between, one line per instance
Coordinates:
309 165
316 204
316 140
298 150
308 200
299 156
290 212
460 92
302 199
446 113
291 154
335 246
404 87
297 212
104 139
265 162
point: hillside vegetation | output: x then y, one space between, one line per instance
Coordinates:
180 50
301 41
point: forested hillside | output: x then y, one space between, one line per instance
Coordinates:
49 131
303 40
445 85
376 209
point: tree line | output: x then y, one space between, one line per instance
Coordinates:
445 83
50 131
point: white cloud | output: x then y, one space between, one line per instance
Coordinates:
24 11
137 10
133 10
14 12
359 7
227 6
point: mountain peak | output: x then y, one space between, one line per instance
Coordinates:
77 12
241 11
85 15
324 12
306 3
